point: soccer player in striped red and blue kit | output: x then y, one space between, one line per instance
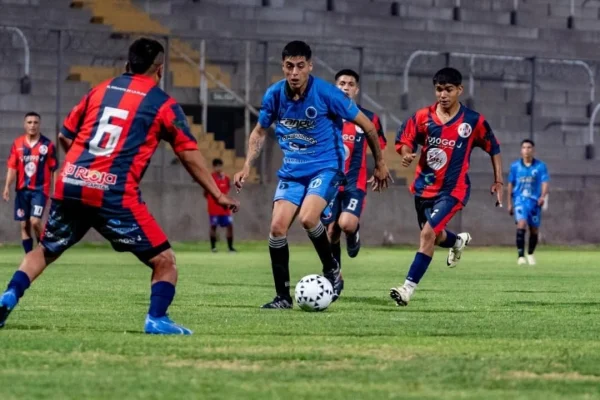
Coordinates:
447 132
343 213
110 137
32 164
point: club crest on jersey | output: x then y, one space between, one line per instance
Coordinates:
43 149
30 169
464 130
81 176
311 112
436 158
20 213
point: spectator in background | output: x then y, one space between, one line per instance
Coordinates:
217 214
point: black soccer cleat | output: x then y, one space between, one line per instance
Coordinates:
337 281
279 303
353 243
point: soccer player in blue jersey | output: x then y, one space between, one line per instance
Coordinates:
308 114
528 184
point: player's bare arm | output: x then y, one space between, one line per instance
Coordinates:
509 190
407 156
194 163
255 145
542 199
381 174
11 176
65 142
498 184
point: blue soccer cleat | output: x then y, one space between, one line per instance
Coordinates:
8 301
164 326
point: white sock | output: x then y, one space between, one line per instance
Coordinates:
459 242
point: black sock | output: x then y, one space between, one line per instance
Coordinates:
521 242
230 243
533 240
280 263
318 235
336 249
213 242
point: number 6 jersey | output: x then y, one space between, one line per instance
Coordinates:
116 129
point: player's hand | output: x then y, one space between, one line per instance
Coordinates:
497 190
228 203
240 177
381 177
6 194
541 201
511 210
408 159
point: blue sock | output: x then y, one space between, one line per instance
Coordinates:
418 268
27 245
450 240
162 294
19 283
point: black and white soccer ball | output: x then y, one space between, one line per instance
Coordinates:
314 293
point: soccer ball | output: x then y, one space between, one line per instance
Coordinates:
314 293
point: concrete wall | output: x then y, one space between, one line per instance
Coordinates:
572 218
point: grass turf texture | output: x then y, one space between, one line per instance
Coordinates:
487 329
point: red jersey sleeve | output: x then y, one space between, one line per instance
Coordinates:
13 158
52 160
410 135
176 129
377 123
73 122
485 138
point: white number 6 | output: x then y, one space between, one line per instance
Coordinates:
105 127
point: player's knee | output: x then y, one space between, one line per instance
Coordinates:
308 220
348 225
533 230
522 224
164 261
428 235
278 229
37 226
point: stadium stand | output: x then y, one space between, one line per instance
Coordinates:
501 88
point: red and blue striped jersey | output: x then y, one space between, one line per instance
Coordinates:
446 153
116 129
34 163
355 147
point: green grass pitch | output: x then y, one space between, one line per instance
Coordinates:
485 330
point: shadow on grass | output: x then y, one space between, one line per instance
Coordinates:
557 304
533 291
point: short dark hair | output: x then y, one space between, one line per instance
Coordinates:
528 141
142 54
447 76
217 162
348 72
33 114
297 48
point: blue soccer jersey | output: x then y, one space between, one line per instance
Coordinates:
527 180
309 130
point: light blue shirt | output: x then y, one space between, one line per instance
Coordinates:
309 130
527 180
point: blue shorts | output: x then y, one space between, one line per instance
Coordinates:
530 211
350 201
129 229
29 204
220 220
438 211
325 185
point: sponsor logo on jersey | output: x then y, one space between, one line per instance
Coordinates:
81 176
352 138
439 142
436 158
30 158
292 123
30 169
